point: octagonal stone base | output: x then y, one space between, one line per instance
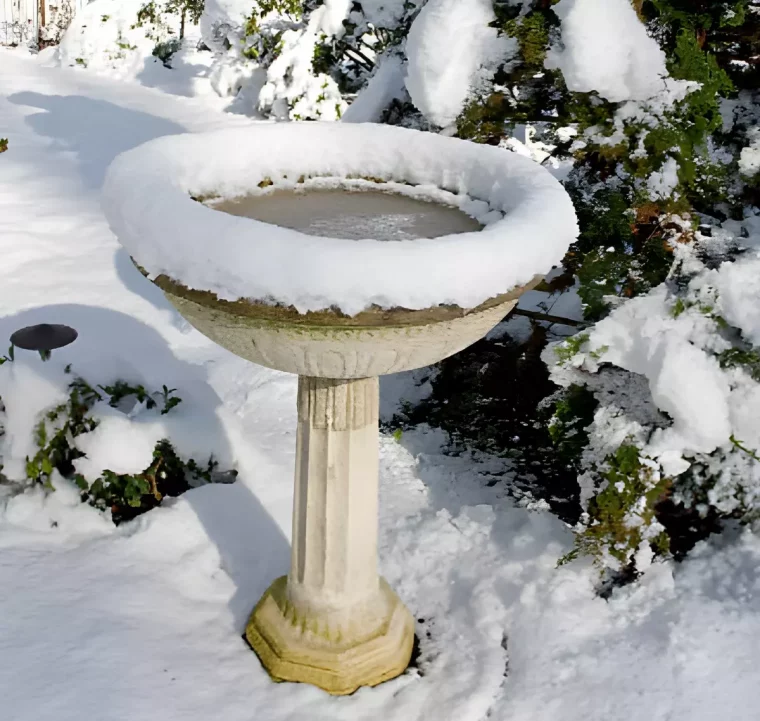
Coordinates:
373 646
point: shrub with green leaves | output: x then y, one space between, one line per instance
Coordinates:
125 495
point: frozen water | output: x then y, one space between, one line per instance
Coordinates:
352 214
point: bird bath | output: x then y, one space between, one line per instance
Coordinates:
339 312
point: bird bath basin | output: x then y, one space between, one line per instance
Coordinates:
352 214
275 273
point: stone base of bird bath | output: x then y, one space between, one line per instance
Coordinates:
333 621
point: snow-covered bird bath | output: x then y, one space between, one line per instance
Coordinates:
313 291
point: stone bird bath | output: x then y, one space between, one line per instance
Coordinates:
339 309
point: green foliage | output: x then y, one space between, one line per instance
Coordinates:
261 44
294 8
191 9
700 14
573 414
121 390
748 360
623 511
151 14
698 115
571 347
678 308
620 252
56 430
126 495
164 51
3 144
532 34
122 43
739 445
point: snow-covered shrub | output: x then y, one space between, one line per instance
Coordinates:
116 35
164 51
283 36
79 439
689 434
645 110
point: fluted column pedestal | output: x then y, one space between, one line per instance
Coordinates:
333 622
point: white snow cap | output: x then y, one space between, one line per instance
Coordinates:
119 444
146 198
605 47
222 18
448 44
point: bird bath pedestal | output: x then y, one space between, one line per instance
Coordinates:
333 621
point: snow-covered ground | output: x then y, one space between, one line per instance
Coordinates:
144 621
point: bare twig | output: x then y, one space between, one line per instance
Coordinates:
550 318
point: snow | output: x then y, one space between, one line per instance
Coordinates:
749 160
118 444
148 205
223 20
384 86
144 621
387 13
101 37
663 182
449 44
292 90
605 48
643 337
25 392
676 350
104 38
738 288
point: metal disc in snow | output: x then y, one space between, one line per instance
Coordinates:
44 337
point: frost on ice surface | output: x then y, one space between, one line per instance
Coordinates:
605 48
449 44
147 201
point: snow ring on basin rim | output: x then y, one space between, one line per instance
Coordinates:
147 201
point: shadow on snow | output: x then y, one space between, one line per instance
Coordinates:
111 346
